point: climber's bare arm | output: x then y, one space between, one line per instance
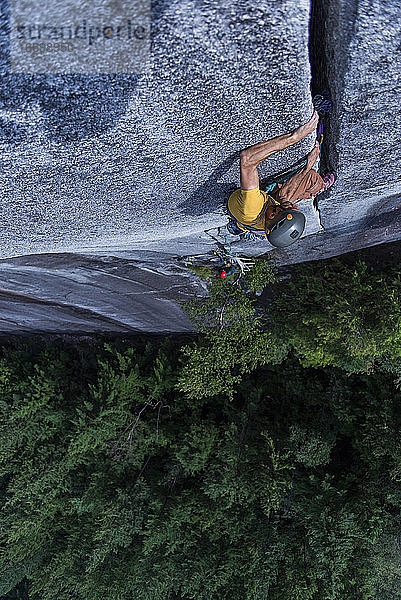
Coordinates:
251 157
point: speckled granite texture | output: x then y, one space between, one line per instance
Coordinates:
119 162
362 48
140 166
364 55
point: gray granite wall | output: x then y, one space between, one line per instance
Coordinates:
364 59
138 167
121 162
362 63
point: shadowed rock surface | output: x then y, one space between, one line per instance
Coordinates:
81 294
361 57
138 167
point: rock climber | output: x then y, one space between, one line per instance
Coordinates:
276 213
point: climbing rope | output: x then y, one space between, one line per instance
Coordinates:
379 213
322 103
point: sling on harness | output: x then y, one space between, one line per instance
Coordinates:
235 227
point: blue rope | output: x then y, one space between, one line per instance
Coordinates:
379 213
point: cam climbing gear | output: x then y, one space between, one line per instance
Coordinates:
322 103
231 263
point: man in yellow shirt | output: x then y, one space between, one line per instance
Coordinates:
275 213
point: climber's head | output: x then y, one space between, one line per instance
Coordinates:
272 211
284 227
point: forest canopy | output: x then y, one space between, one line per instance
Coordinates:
259 460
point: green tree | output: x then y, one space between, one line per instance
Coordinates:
234 338
337 314
127 471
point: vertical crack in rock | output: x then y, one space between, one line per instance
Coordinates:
318 65
317 47
331 31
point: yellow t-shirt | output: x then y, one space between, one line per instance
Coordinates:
248 206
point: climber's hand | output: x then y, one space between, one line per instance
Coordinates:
307 127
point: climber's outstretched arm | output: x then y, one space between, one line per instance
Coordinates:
251 157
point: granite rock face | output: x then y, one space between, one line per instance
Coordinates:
121 162
361 64
138 167
364 58
73 294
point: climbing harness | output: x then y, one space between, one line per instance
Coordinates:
249 232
